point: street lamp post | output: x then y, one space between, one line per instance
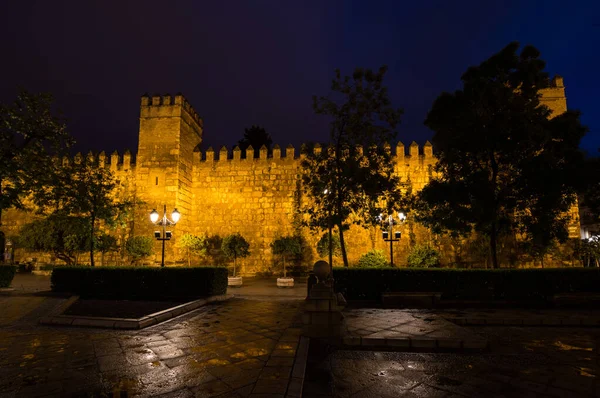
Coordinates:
164 221
330 238
387 235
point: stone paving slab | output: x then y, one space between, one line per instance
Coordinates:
407 330
522 317
237 348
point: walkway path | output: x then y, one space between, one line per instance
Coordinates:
234 349
409 329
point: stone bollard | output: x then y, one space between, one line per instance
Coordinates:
322 316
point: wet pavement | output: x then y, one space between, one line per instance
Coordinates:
418 325
522 362
247 347
232 349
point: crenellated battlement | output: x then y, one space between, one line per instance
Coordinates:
115 162
167 105
257 193
224 154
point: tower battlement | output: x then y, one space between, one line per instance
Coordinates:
224 154
167 105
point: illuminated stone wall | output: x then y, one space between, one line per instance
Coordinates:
220 192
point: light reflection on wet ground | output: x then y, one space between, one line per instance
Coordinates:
232 348
524 362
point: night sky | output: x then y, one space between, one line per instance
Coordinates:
259 62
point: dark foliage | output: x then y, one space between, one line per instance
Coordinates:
7 273
256 137
501 284
504 165
140 282
31 134
352 180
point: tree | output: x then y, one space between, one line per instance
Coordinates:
30 136
139 247
352 180
193 244
81 188
287 246
105 243
235 246
323 245
257 137
63 235
589 195
504 166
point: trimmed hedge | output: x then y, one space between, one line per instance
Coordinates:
502 284
140 282
7 273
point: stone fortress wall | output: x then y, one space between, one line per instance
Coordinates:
222 193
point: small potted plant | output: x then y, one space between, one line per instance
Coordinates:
235 246
286 246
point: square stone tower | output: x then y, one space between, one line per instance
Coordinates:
170 130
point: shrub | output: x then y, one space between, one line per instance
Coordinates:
235 246
26 267
373 259
193 244
140 282
139 247
323 245
7 273
287 246
501 284
63 236
423 256
105 243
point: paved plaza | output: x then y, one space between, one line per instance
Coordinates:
233 349
522 362
249 346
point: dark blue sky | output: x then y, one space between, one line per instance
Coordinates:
259 62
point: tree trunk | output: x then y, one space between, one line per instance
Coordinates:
234 258
343 246
102 259
493 246
284 272
92 221
189 258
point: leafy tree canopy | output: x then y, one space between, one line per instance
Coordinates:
504 164
60 234
235 246
323 245
81 188
194 244
352 179
139 247
31 134
257 137
423 256
373 259
287 246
